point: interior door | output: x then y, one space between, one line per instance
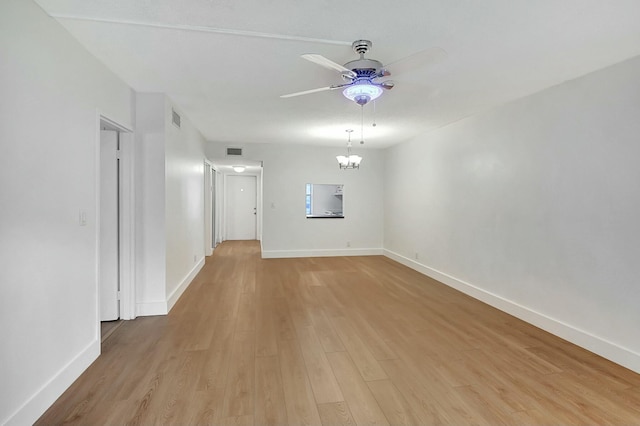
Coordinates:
109 227
241 203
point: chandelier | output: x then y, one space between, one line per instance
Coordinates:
349 161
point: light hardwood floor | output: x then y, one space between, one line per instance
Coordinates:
332 341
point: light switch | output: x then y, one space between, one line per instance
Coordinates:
82 217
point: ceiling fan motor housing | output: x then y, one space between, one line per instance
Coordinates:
361 46
363 64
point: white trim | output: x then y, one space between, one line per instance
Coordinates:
44 397
259 203
147 309
98 171
127 227
127 219
219 201
208 213
175 294
274 254
612 351
112 123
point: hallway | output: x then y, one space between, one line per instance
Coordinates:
342 340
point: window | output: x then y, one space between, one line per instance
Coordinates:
324 201
308 198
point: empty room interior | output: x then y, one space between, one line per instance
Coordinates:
319 212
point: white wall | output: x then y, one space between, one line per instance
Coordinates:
52 92
170 204
151 245
184 203
534 208
287 169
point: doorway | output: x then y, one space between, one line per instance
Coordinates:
241 207
109 225
215 208
115 228
211 227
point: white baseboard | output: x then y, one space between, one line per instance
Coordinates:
44 397
175 294
147 309
162 307
274 254
613 352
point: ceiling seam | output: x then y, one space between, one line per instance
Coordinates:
199 28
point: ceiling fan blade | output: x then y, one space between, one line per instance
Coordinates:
328 63
321 89
306 92
430 56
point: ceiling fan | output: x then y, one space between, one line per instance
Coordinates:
362 75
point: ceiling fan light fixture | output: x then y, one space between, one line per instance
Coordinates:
362 93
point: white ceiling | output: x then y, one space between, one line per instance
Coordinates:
225 62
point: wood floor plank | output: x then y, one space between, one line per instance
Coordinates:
336 414
364 360
270 407
482 405
257 341
300 401
393 404
207 406
329 339
433 403
215 369
378 346
240 390
284 328
323 381
363 405
246 320
246 420
266 333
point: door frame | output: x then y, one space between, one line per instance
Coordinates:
222 171
126 218
209 194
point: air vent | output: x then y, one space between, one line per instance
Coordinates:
175 118
235 152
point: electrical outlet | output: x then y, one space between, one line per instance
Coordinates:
348 243
416 255
195 258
